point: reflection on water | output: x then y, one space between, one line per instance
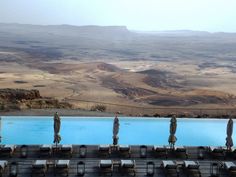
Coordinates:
39 130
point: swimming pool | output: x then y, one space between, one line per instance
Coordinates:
133 131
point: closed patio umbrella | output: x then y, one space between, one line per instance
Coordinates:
116 126
57 126
173 126
229 131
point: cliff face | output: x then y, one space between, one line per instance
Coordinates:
25 99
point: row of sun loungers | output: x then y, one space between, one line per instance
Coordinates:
125 163
125 150
61 167
65 150
179 152
122 150
171 168
46 150
40 167
125 167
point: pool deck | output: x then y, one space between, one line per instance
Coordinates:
93 157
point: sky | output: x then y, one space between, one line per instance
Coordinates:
143 15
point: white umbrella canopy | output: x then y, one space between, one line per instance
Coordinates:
229 131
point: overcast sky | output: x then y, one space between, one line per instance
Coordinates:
147 15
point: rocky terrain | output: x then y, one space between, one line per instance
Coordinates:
18 99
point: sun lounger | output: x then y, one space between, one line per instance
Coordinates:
104 150
66 150
7 150
39 168
105 167
143 151
181 152
80 168
150 168
45 150
191 168
127 167
160 151
230 167
82 151
217 152
170 168
124 150
3 166
62 167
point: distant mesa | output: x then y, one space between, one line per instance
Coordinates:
65 29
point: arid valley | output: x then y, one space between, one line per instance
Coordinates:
126 71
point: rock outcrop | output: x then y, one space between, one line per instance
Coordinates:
17 99
18 94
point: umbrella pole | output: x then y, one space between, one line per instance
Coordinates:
56 147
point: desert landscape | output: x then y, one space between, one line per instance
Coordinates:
130 72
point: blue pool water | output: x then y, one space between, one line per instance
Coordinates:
133 131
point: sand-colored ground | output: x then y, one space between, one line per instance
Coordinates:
129 72
121 83
215 78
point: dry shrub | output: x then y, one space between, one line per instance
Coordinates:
99 107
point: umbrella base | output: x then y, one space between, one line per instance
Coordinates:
115 140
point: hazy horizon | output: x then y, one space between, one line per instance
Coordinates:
149 15
131 30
